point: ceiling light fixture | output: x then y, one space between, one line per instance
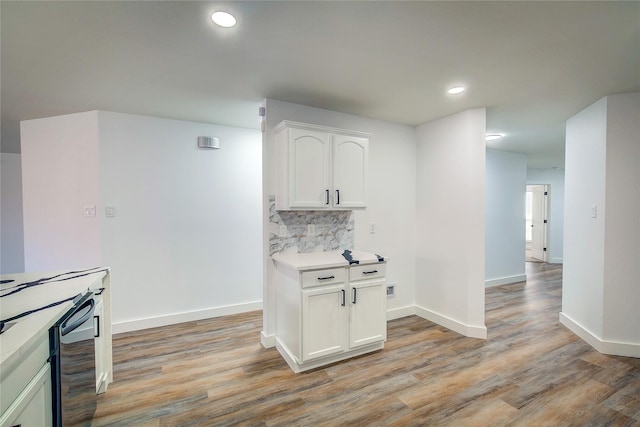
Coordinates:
224 19
456 90
493 137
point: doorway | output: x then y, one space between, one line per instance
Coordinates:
536 214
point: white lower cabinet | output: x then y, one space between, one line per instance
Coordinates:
369 299
324 321
32 407
101 345
320 323
25 389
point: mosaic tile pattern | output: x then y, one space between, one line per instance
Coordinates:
333 230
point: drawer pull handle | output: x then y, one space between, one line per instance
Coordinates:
355 296
326 197
344 298
370 272
326 278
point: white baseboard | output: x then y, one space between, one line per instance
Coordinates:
505 280
604 347
459 327
189 316
267 341
555 261
397 313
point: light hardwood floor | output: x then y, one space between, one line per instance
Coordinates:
530 371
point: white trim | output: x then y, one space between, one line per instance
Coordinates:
267 341
605 347
397 313
555 261
188 316
456 326
298 367
291 124
505 280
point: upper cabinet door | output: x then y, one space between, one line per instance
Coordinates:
309 169
320 168
350 159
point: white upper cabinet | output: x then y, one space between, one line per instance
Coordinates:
320 168
350 154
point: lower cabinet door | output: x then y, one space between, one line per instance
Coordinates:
101 347
368 313
324 321
32 407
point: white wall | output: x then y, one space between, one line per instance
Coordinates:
450 221
600 293
11 227
185 241
505 217
554 178
59 177
583 270
622 221
390 198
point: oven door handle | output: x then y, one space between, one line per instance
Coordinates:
75 323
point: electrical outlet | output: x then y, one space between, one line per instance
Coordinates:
372 228
311 229
89 210
391 290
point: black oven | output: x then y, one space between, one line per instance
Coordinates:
72 358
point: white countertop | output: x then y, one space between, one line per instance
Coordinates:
317 260
18 339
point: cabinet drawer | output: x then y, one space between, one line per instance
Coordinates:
323 277
367 271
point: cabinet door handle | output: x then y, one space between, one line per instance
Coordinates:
326 197
326 278
370 272
337 197
354 293
344 298
96 326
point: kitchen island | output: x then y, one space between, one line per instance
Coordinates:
330 306
30 304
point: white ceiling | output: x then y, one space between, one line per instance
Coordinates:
532 64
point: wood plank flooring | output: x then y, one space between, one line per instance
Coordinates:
531 371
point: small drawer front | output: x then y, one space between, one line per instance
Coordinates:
367 271
327 276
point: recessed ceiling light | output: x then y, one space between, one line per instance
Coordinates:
224 19
493 136
455 90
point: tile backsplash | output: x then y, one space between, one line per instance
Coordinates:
333 230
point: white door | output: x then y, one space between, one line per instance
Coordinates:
324 321
309 168
368 313
349 171
538 224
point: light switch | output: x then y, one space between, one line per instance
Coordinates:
110 211
594 211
